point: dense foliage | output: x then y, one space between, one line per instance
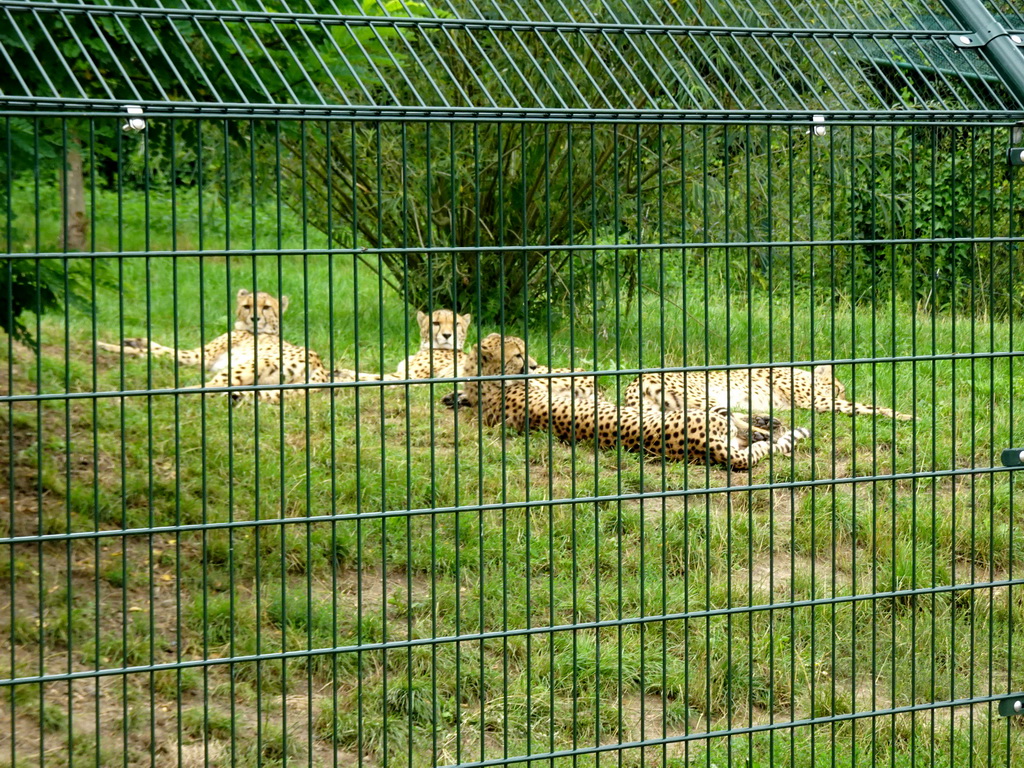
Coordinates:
508 219
495 206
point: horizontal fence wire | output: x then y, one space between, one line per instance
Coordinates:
959 118
469 507
417 384
541 630
532 376
512 249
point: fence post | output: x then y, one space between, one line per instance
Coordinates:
994 41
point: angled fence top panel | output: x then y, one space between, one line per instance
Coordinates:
502 60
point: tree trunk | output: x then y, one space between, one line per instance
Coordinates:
75 233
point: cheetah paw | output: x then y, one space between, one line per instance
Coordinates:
787 440
237 398
765 424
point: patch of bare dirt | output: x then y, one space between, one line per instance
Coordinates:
642 720
139 705
771 576
63 437
372 589
117 717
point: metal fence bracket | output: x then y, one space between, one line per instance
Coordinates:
818 128
134 124
975 40
1012 705
1013 457
1015 154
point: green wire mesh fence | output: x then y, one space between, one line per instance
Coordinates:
550 383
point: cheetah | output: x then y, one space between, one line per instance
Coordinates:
578 386
255 350
442 336
681 435
757 390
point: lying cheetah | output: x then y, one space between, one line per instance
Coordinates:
580 386
683 435
760 390
256 351
442 336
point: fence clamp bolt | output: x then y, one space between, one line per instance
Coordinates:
1015 154
818 129
1012 705
134 124
979 39
1013 457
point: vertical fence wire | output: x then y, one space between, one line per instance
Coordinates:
328 559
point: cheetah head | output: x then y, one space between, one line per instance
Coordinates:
487 358
259 312
443 330
824 380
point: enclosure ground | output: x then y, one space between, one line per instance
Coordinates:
614 566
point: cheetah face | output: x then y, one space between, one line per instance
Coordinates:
264 308
443 330
824 378
485 359
497 348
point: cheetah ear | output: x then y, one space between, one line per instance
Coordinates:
284 304
467 319
421 317
823 372
242 293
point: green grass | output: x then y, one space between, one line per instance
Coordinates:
164 460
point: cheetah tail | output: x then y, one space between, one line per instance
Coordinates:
879 410
347 374
127 349
851 408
